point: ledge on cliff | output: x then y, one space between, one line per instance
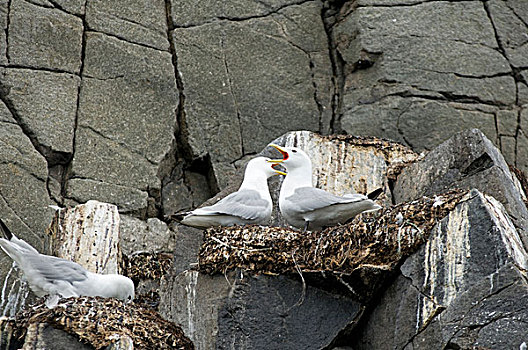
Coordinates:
95 323
356 254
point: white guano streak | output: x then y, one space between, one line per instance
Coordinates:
190 289
449 244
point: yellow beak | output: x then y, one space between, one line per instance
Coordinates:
285 154
277 171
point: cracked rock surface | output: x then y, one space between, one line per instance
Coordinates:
155 106
418 71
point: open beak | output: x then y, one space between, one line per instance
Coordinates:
274 167
285 154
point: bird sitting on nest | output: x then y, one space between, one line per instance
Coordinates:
251 204
304 206
56 277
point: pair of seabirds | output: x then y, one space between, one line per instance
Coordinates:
302 205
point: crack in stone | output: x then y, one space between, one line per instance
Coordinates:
25 128
183 150
408 5
59 7
438 310
516 14
233 95
120 143
400 131
134 22
500 47
77 177
67 168
444 39
6 30
446 96
13 211
39 69
311 65
338 76
104 79
220 19
118 37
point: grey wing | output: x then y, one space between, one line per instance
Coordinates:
52 268
307 199
246 204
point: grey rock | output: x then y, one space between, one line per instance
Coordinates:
508 148
402 62
467 160
184 190
186 14
46 104
140 21
76 7
44 336
126 121
452 21
128 199
511 31
507 122
188 243
23 203
23 187
44 38
522 92
3 27
263 77
152 236
455 284
204 297
522 148
261 312
420 123
491 314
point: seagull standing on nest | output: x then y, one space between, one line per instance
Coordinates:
304 206
251 204
49 275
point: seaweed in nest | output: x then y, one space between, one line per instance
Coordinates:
99 322
145 265
376 242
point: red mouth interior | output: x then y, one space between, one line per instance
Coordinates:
275 166
285 154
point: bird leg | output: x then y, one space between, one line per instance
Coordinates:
306 224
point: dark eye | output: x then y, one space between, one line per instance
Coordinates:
294 151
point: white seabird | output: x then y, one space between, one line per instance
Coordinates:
251 204
49 275
304 206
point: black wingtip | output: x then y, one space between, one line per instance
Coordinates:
375 194
178 216
6 233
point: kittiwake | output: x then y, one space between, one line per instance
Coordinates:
304 206
251 204
49 275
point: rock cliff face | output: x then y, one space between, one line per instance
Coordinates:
154 107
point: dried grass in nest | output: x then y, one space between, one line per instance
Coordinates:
97 321
146 265
368 241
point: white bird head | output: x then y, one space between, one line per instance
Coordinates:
293 158
260 165
125 288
